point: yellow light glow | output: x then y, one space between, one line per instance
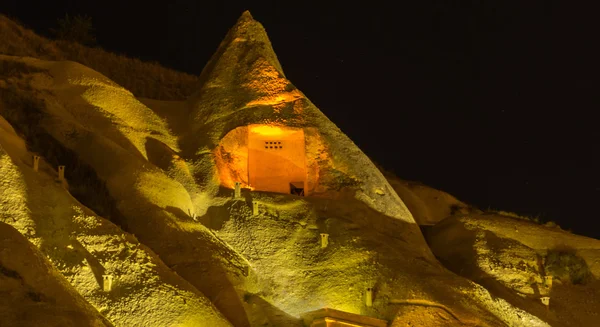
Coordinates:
281 97
266 130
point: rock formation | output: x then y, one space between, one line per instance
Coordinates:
149 200
524 262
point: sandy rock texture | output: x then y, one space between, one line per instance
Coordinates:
145 201
33 292
513 257
84 247
427 205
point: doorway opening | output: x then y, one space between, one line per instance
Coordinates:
276 159
297 188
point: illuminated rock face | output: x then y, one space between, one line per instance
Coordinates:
276 158
243 85
271 158
258 267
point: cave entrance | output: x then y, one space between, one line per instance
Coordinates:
276 159
297 188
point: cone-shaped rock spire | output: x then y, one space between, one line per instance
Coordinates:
246 40
244 68
242 60
244 85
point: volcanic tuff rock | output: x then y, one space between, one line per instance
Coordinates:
157 170
511 257
427 205
244 84
33 292
84 247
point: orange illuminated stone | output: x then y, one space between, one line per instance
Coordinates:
265 158
276 157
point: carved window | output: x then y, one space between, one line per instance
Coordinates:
273 145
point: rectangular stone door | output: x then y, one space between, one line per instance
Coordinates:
276 159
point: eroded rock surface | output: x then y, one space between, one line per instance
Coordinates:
163 174
524 262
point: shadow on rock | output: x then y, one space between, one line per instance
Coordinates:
270 314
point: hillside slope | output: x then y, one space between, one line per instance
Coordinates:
159 170
144 79
33 292
85 248
428 205
57 106
511 258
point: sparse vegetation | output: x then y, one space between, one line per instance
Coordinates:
566 265
77 29
143 79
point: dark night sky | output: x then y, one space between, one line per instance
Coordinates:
491 101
